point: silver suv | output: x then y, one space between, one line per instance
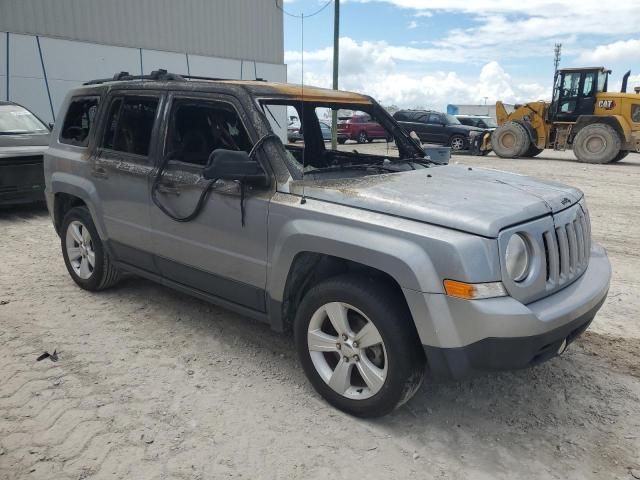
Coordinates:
378 261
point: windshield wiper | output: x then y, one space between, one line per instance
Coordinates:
353 166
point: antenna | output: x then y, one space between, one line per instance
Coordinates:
302 16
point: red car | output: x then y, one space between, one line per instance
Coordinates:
360 128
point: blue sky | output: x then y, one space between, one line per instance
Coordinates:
427 53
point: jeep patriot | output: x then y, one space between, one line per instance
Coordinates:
381 266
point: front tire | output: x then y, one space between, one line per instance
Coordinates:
620 156
597 143
533 151
510 140
362 137
358 346
87 261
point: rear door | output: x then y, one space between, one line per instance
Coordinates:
223 250
121 168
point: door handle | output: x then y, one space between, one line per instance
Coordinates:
100 172
168 189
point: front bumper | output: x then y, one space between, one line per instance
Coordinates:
461 337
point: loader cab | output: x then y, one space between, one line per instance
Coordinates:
575 90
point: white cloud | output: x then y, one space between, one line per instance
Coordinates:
412 24
372 68
625 51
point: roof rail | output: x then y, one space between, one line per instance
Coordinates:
160 75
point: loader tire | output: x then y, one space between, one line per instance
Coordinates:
533 151
510 140
620 156
597 143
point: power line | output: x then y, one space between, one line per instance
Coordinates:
280 7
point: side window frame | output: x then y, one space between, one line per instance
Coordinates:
123 95
92 128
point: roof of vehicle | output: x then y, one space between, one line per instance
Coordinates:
465 115
417 110
162 79
580 69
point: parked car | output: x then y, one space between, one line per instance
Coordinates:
436 127
377 264
361 128
294 133
481 121
23 139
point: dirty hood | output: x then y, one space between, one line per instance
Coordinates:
478 201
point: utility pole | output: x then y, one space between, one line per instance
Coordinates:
336 41
557 50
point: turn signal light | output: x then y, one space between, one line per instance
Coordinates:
474 291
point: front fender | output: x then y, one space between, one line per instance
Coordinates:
406 262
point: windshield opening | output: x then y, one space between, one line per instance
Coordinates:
15 119
368 140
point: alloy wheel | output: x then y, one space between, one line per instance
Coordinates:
80 250
347 350
457 143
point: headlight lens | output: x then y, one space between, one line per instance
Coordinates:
517 258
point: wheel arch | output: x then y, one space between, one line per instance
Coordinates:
69 191
304 259
614 121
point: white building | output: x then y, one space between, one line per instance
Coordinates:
48 47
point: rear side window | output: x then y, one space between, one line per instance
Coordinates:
635 113
78 121
129 125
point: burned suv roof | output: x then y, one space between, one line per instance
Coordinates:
161 79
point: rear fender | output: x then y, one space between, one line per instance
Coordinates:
82 188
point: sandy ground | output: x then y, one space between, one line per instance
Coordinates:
154 384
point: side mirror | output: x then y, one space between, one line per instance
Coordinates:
234 165
50 126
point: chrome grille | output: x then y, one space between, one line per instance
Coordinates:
567 248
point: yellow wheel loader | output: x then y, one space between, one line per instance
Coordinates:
600 127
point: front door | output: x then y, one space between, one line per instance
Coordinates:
436 128
121 170
223 250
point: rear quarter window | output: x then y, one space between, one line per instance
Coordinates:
79 120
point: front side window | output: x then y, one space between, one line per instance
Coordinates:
129 125
196 129
571 84
588 88
78 121
15 119
635 113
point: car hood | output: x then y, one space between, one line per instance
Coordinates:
23 145
469 128
478 201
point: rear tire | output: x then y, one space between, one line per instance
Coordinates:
457 143
510 140
87 261
342 141
392 364
597 143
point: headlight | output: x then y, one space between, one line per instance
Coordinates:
517 258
